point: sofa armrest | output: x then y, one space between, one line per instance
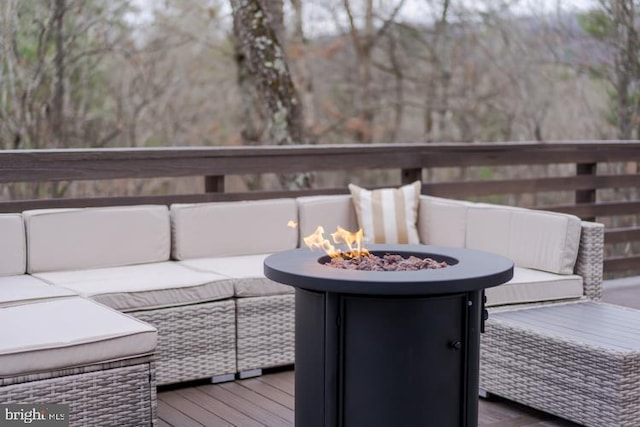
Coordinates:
590 259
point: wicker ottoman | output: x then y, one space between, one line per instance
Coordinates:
76 352
579 361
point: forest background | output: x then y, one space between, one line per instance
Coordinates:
125 73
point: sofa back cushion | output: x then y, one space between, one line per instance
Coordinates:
535 239
443 222
326 211
13 257
205 230
75 239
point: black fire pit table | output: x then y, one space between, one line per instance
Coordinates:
388 348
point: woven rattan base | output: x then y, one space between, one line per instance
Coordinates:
115 394
580 361
265 331
194 341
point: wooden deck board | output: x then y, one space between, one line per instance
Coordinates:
270 392
269 400
229 414
264 402
176 410
246 406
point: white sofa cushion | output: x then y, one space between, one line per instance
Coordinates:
232 228
70 239
545 240
443 222
329 212
488 228
388 215
67 333
22 289
529 286
13 252
144 286
247 272
535 239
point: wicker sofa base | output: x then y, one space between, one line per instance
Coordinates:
265 331
194 341
569 376
114 394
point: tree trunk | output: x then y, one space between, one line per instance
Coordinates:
363 42
274 11
253 117
268 66
398 75
626 65
302 76
57 102
252 124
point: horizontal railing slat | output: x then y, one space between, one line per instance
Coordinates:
597 209
529 185
621 235
622 263
93 164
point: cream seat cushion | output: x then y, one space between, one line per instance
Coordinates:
247 272
529 286
67 333
144 286
22 289
388 215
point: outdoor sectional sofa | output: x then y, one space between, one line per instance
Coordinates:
194 272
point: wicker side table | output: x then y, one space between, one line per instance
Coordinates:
579 361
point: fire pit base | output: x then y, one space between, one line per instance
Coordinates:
388 348
371 361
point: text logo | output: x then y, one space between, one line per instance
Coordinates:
40 415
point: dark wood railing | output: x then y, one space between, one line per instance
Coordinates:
594 179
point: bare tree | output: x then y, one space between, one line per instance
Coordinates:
626 65
53 55
437 83
614 24
364 38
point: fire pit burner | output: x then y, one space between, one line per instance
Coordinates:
386 262
388 348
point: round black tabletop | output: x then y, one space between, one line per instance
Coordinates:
468 270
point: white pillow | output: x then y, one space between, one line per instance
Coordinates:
388 215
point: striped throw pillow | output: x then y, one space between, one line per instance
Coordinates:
388 215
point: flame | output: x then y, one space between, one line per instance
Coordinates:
353 241
292 224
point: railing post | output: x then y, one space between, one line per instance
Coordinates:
411 175
214 183
588 195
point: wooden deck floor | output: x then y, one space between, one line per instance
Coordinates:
269 400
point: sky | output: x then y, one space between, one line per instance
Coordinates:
321 16
420 11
